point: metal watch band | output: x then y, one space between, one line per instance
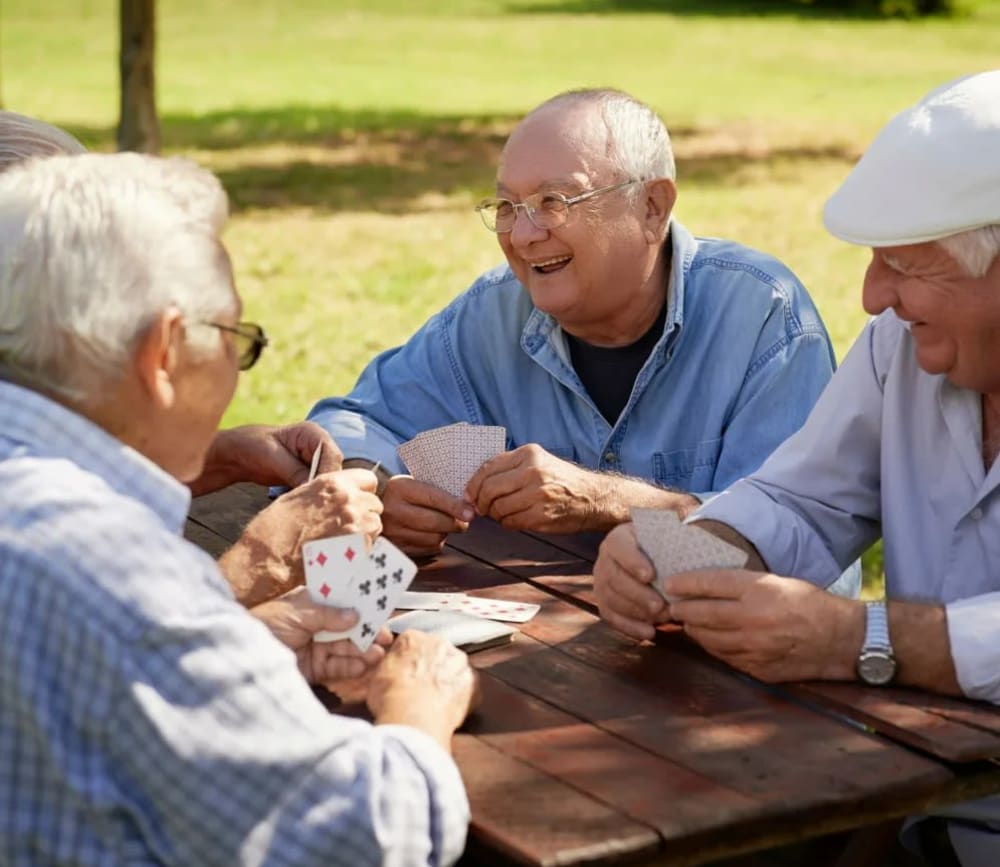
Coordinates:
877 626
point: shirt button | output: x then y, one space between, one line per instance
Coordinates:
976 514
610 457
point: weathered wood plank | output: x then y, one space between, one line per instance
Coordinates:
958 731
226 512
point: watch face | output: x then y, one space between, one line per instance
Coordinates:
876 668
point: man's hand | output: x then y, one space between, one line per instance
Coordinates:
775 629
426 683
294 618
622 579
266 455
267 559
530 489
417 516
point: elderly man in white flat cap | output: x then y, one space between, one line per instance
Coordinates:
902 445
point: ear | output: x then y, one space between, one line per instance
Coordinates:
156 356
661 195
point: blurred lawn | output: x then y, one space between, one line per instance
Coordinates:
354 137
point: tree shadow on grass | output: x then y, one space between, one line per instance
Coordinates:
335 160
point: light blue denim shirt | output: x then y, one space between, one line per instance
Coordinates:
742 359
145 717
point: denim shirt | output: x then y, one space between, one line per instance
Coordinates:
742 359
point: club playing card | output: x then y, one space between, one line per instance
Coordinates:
333 566
427 601
462 630
377 595
493 609
449 456
676 547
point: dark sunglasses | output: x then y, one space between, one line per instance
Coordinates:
249 339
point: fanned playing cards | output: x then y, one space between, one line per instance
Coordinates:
341 572
463 630
672 546
449 456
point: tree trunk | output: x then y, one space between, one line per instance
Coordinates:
138 125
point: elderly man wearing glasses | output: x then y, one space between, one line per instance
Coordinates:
266 560
632 363
146 716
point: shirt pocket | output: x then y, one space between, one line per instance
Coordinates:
690 469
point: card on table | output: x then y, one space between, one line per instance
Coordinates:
427 601
451 455
370 582
673 546
493 609
463 630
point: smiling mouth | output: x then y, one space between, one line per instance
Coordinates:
550 266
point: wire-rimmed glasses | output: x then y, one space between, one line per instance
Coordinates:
545 210
249 339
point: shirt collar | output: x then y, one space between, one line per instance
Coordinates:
49 430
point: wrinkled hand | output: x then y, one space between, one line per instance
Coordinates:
294 618
425 682
622 581
775 629
267 559
530 489
267 455
418 516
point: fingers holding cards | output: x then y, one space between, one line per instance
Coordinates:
449 456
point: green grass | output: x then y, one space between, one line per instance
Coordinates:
354 136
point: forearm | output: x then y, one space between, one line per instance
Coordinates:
253 572
416 712
919 634
615 496
755 563
220 470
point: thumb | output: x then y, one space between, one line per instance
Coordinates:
320 618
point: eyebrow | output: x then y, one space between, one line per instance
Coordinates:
553 185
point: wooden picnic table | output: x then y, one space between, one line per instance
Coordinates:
590 748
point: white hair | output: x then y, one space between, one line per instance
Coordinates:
975 249
638 141
92 249
22 137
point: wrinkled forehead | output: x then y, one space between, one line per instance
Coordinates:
557 147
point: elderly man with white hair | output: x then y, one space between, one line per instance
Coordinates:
632 363
902 445
146 717
266 560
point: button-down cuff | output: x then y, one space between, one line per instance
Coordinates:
975 649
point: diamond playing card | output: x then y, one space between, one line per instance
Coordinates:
333 566
493 609
427 601
676 547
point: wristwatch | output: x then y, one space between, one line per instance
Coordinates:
876 664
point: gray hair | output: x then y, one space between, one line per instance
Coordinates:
92 249
22 137
975 249
638 141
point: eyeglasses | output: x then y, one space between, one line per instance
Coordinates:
249 339
545 210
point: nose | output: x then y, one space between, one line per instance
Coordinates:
524 231
878 293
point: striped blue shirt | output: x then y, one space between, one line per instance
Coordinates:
145 717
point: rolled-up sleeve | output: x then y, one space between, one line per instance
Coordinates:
974 635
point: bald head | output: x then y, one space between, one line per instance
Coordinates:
23 137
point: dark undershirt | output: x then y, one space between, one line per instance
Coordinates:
608 373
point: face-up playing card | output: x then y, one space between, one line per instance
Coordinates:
449 456
333 566
493 609
427 601
675 547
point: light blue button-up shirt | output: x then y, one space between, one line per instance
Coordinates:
145 717
742 359
895 452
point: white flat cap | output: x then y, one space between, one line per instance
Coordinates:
933 171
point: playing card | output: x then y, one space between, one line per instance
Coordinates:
462 630
675 547
333 566
377 595
493 609
449 456
427 601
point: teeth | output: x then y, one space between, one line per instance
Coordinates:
547 262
